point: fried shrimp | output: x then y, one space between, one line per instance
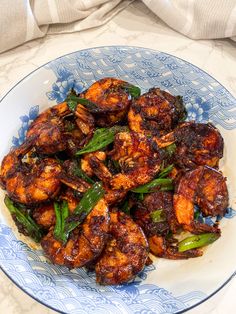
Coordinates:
78 128
161 201
50 131
48 127
161 247
125 254
139 160
196 144
86 242
155 112
110 100
98 168
44 215
85 164
84 120
93 164
205 187
29 183
158 231
69 178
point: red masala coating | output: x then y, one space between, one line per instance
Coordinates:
125 254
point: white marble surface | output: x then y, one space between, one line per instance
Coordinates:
135 26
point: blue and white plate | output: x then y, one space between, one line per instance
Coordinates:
165 286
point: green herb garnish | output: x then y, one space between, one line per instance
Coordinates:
162 183
101 138
159 183
197 241
73 101
24 219
164 173
133 90
141 197
158 215
86 204
61 212
171 149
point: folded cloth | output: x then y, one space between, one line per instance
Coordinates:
198 19
22 21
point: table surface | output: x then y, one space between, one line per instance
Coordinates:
135 26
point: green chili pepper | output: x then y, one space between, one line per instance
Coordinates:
86 204
197 241
165 171
57 228
101 138
23 218
141 197
168 187
158 215
161 183
61 212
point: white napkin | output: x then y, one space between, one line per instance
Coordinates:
21 21
198 19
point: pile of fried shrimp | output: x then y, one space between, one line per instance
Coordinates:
111 175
